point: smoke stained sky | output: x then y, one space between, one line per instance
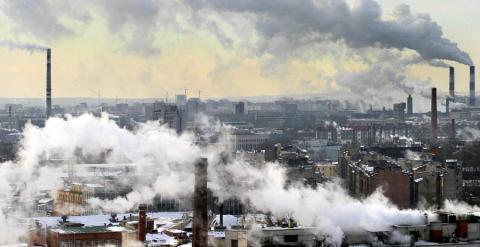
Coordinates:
139 50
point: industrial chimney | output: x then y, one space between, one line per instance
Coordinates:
200 214
409 105
49 83
434 114
452 82
142 223
452 130
447 105
472 85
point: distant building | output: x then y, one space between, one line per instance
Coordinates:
240 108
327 169
194 106
74 200
364 177
409 105
291 108
170 115
399 111
181 100
247 139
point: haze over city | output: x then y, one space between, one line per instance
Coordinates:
148 48
249 123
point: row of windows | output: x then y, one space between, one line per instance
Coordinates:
251 140
88 243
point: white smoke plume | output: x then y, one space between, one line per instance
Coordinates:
457 105
163 162
459 207
384 81
24 46
469 133
411 155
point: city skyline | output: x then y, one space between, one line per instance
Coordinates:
99 50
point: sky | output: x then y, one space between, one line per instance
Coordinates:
151 48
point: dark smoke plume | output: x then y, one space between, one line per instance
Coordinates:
359 25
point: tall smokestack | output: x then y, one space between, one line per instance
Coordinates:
447 105
452 130
49 83
221 214
434 114
142 223
472 85
452 82
409 105
200 214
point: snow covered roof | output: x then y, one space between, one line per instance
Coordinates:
101 220
159 239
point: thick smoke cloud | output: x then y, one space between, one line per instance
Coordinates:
142 16
383 81
290 24
163 165
42 19
361 25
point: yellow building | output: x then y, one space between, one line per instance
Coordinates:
328 169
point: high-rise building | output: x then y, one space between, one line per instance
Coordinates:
399 111
240 108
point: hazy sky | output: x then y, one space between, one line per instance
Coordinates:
143 48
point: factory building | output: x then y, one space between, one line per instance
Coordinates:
93 230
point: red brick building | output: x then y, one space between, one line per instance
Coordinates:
364 177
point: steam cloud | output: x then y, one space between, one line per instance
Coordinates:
163 163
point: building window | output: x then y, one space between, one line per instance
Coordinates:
234 243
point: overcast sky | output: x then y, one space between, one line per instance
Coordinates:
135 49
